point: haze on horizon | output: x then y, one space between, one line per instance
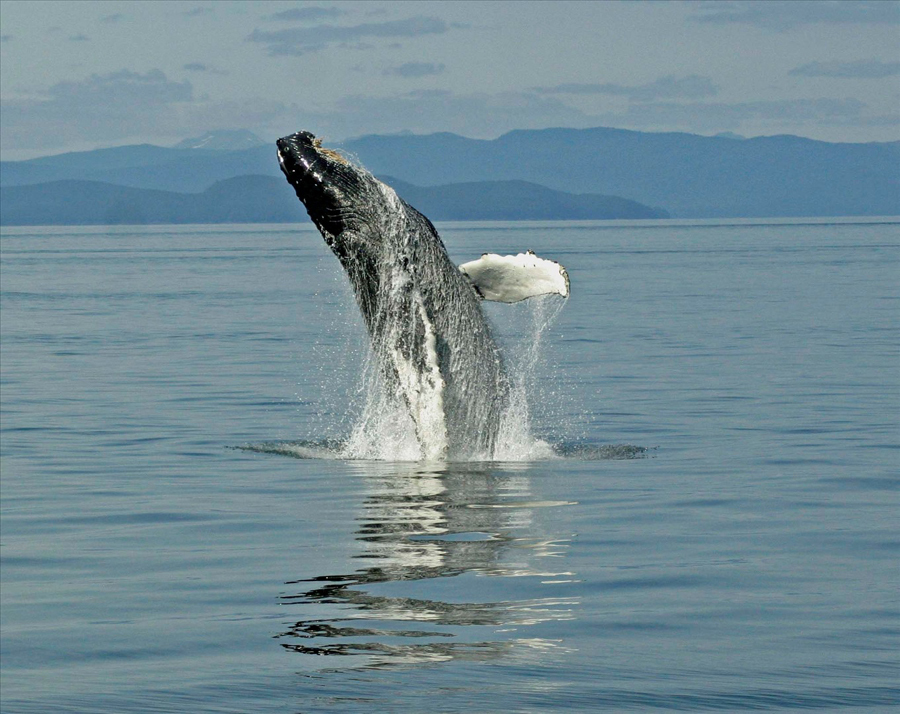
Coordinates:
79 75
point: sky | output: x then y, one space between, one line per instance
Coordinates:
78 75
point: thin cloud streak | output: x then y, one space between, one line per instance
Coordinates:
201 67
790 14
862 69
299 41
691 87
415 69
305 14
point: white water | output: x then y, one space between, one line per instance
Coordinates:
386 432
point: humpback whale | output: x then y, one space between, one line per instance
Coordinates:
422 313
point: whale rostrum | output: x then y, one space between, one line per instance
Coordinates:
432 342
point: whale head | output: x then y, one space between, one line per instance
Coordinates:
344 201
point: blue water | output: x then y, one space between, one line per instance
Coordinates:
747 559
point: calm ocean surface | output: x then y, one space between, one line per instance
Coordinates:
748 560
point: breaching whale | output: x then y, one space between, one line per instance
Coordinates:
423 314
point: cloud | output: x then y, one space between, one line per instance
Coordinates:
791 14
125 105
305 14
121 88
691 87
110 19
300 41
861 69
102 106
884 120
79 38
201 67
415 69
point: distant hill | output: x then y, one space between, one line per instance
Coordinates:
144 166
238 200
268 199
685 174
515 201
689 175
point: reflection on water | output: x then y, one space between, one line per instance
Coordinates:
433 540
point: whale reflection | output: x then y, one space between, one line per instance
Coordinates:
437 542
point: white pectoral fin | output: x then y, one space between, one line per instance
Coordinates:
511 278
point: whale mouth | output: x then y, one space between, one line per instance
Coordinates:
324 181
300 159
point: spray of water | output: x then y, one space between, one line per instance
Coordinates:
516 440
382 429
385 430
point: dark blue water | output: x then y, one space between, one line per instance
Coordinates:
747 560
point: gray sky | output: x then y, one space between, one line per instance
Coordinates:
80 75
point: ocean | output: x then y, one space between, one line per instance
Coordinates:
717 529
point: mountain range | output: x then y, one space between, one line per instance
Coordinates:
548 173
269 199
688 175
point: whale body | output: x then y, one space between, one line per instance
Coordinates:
422 313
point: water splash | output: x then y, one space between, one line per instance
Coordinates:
385 430
516 440
381 429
